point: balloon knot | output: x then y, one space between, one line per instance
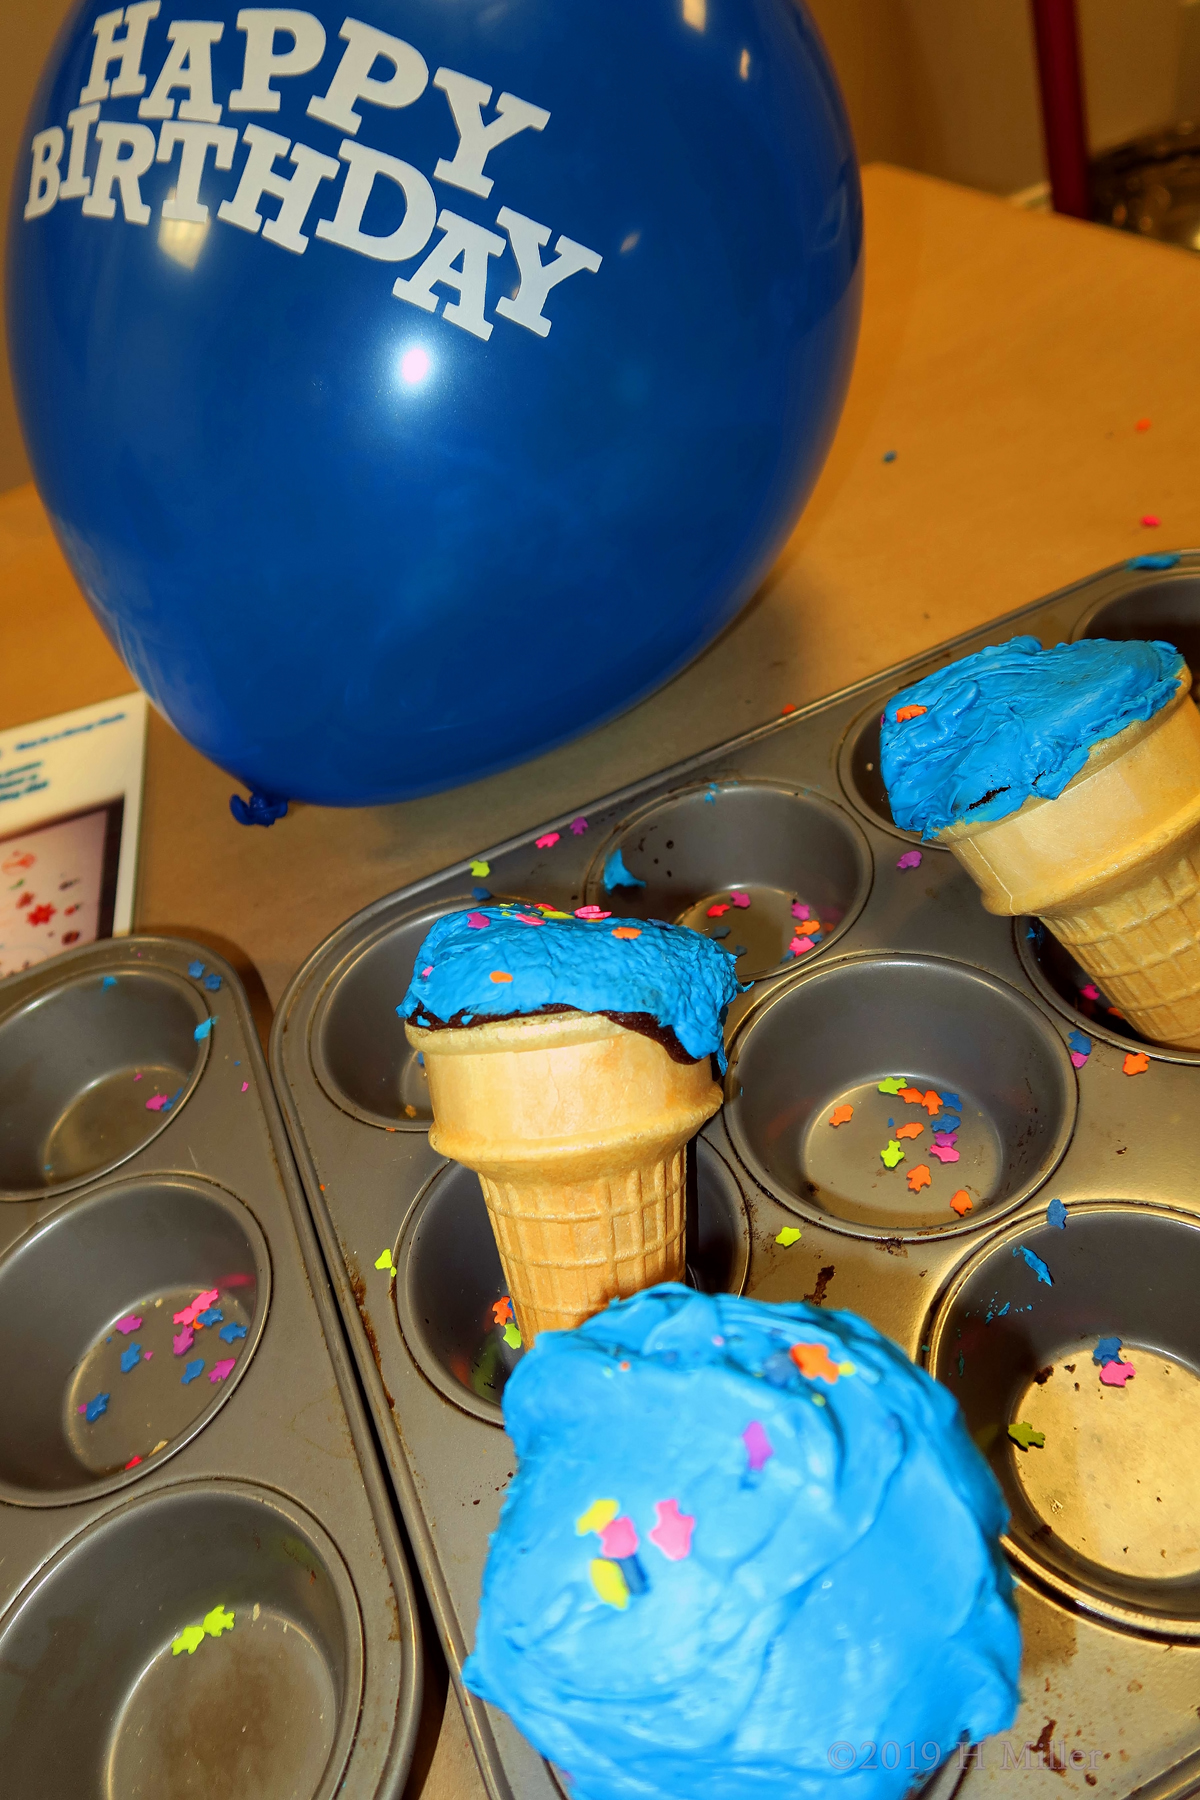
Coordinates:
260 809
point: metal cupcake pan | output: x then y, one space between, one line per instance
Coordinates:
202 1584
905 976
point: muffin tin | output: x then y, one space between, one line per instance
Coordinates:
149 1484
907 976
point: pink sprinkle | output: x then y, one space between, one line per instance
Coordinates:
221 1369
529 918
156 1102
1151 521
1090 992
619 1539
130 1323
133 1462
83 1409
673 1532
477 922
146 1355
579 826
138 1076
799 945
428 971
1116 1374
943 1152
245 1087
740 899
948 1138
1078 1057
200 1304
548 842
591 912
183 1341
910 860
802 910
759 1447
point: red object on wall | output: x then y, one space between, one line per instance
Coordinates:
1064 119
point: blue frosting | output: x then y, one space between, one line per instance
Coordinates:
616 875
1011 721
842 1583
675 975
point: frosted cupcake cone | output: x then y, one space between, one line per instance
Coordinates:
577 1128
1112 867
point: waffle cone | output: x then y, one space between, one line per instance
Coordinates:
1112 868
578 1131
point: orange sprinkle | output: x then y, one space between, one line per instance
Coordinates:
909 1131
624 1368
627 931
502 1310
1142 425
809 925
813 1360
909 712
788 708
499 975
841 1115
932 1103
1136 1063
919 1178
715 912
961 1202
913 1095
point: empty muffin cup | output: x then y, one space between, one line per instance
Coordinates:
359 1051
771 874
90 1070
118 1364
899 1095
1074 1353
203 1641
1166 609
451 1299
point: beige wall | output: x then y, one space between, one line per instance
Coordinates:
946 86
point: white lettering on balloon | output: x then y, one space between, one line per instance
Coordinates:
375 69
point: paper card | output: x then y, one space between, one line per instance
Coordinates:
70 809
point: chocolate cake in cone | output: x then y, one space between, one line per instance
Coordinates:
570 1060
578 1129
1110 862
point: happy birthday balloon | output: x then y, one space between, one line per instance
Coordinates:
414 389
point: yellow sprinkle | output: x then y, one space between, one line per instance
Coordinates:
217 1621
189 1639
384 1261
847 1368
788 1236
479 867
599 1514
818 1399
609 1583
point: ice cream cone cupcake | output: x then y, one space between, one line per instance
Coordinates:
1067 783
570 1061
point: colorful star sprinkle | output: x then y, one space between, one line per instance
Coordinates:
1107 1350
130 1323
759 1448
476 921
93 1409
891 1154
502 1310
591 912
895 1084
619 1539
961 1202
229 1334
192 1636
192 1371
841 1115
919 1178
944 1150
739 899
800 946
672 1532
1116 1374
904 713
1136 1063
1035 1263
626 931
200 1304
788 1236
130 1358
911 859
221 1370
479 867
182 1342
1026 1436
814 1362
912 1130
548 842
715 912
578 826
1081 1047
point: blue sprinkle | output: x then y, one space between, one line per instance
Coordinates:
616 875
95 1407
1004 1309
952 1101
130 1358
109 981
635 1575
478 893
779 1369
1056 1215
420 1059
193 1370
720 931
710 794
889 456
1080 1042
891 1124
212 1315
261 809
212 983
739 950
1108 1350
202 1030
195 970
1035 1263
1032 933
231 1332
1165 559
168 1104
947 1121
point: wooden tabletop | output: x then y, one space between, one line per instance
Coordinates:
1006 358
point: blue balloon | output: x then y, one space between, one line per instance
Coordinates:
411 391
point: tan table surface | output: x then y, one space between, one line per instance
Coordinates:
1005 356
